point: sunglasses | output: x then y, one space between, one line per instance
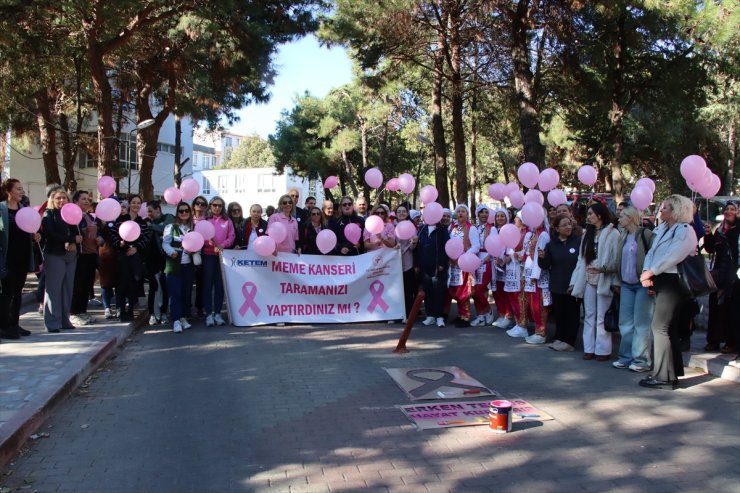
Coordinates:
347 204
183 211
286 202
315 213
201 204
217 205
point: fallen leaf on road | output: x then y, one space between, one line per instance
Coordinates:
36 436
85 426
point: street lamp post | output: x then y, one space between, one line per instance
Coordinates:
139 126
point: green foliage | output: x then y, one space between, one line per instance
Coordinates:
253 152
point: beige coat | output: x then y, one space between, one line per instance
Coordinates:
606 262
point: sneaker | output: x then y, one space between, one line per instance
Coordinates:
517 331
735 363
502 323
153 320
94 302
177 327
90 319
561 346
637 368
218 319
78 321
109 315
440 322
488 319
619 364
535 339
428 321
209 320
185 324
478 321
163 319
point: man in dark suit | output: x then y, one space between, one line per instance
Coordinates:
301 215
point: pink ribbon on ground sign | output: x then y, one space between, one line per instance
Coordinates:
249 296
376 289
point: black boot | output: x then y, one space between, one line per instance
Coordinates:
10 334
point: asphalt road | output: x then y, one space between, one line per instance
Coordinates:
302 408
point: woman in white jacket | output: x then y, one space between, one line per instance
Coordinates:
459 281
592 280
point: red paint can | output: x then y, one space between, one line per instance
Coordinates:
499 416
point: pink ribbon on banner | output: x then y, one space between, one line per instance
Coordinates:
249 296
376 289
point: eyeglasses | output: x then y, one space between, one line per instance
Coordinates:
295 196
183 211
217 205
347 204
286 202
201 204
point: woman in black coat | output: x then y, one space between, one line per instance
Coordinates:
309 230
130 260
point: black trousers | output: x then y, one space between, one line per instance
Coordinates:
410 288
84 276
434 291
667 360
130 276
11 297
567 312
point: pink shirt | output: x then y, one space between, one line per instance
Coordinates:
291 227
224 235
389 231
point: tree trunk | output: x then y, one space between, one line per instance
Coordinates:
458 126
47 136
69 154
473 160
529 119
616 115
107 158
348 171
178 150
438 134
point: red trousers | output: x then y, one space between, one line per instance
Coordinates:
518 304
537 311
502 300
461 294
480 293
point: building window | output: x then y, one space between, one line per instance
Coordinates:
223 185
86 160
241 184
227 142
168 148
127 156
266 183
206 186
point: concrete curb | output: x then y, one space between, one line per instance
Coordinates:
17 430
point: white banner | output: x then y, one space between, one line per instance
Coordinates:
313 288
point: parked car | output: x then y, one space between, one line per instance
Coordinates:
711 209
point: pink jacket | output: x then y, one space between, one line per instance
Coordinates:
224 235
291 226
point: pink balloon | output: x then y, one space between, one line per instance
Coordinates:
533 215
193 241
172 195
106 186
189 189
511 187
548 180
326 240
108 210
497 191
491 217
405 230
129 231
556 197
517 199
641 197
406 183
468 262
712 189
352 233
276 231
509 235
71 214
432 213
29 220
587 174
495 246
428 194
374 224
143 211
206 229
528 174
374 178
392 185
692 168
534 195
454 247
331 182
264 246
646 182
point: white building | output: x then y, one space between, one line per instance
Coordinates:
25 162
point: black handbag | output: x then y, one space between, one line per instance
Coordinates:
694 277
611 317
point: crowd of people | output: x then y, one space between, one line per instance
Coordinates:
556 270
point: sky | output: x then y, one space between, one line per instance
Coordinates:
301 66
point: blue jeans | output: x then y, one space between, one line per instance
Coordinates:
180 286
106 294
213 286
635 316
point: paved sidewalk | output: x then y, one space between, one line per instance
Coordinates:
41 370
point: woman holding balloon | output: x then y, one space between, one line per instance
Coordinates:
383 234
536 281
482 276
254 227
407 240
20 230
219 236
130 235
309 232
283 225
61 241
179 267
459 280
348 228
